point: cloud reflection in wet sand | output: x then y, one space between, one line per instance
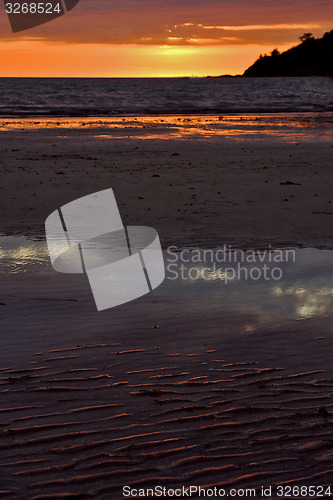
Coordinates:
304 291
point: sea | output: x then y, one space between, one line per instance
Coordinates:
86 97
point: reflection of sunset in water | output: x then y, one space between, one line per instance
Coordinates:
309 301
290 128
19 255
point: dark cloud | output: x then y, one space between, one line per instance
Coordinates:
154 22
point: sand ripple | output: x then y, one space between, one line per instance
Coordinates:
86 431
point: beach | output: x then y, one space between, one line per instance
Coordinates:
195 384
247 180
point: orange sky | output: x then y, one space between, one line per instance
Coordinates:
139 38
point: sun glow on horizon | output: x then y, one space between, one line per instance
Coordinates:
37 58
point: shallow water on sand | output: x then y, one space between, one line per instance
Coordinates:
267 287
290 128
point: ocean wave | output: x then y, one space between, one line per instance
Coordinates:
86 97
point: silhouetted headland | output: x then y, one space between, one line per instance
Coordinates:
312 57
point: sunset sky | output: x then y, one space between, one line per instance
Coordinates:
159 37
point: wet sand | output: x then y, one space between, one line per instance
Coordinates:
197 180
170 389
91 403
76 425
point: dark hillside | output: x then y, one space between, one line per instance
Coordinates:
312 57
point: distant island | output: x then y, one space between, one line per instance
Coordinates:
312 57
